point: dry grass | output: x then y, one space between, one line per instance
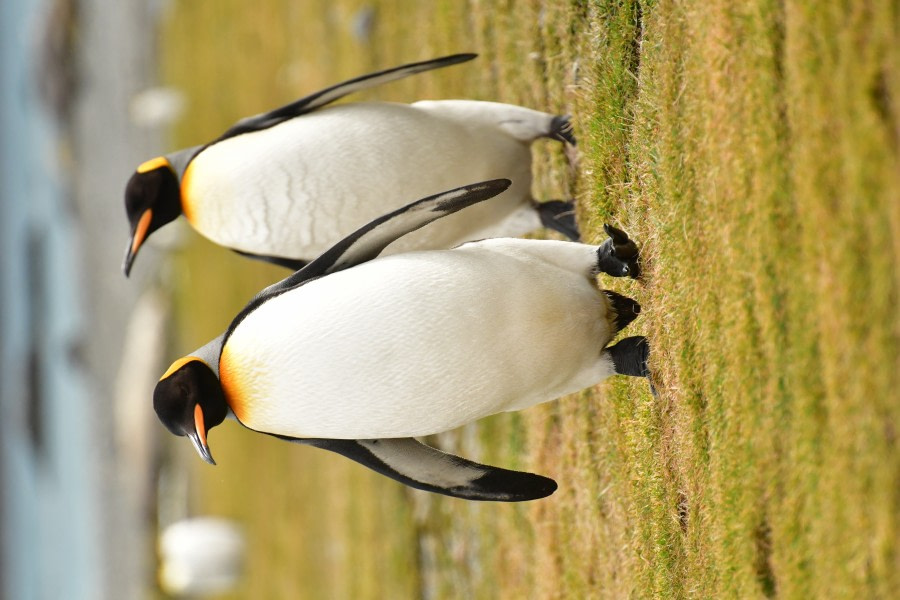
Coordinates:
753 148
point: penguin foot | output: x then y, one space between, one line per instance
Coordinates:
560 217
625 309
629 356
618 256
561 129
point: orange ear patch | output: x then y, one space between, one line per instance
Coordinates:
153 164
177 365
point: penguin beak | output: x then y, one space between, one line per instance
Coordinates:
198 436
137 239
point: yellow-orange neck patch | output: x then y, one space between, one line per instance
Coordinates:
153 164
237 393
188 208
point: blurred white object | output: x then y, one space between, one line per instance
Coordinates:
157 106
200 556
362 23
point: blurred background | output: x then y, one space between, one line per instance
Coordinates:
74 500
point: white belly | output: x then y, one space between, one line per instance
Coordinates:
295 189
419 343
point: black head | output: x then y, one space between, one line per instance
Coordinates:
189 401
152 199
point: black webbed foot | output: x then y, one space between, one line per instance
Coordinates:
625 309
618 256
560 217
630 355
561 129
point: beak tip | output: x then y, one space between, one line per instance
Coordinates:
201 448
129 260
138 237
205 454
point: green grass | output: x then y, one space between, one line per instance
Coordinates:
754 149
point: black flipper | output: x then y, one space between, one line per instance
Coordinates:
618 256
630 355
368 241
420 466
560 217
335 92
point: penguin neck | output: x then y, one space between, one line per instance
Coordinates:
209 353
179 161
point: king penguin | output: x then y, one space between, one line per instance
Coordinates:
360 355
282 186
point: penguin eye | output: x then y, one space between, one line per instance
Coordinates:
133 199
139 193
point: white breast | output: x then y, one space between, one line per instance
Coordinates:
419 343
294 189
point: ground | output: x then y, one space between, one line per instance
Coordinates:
754 150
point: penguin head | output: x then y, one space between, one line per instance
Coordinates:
152 199
189 401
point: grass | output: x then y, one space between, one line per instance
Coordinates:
754 149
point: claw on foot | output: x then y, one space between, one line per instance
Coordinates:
630 356
561 129
559 216
624 247
618 256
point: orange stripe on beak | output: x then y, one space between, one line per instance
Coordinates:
140 232
198 436
199 425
